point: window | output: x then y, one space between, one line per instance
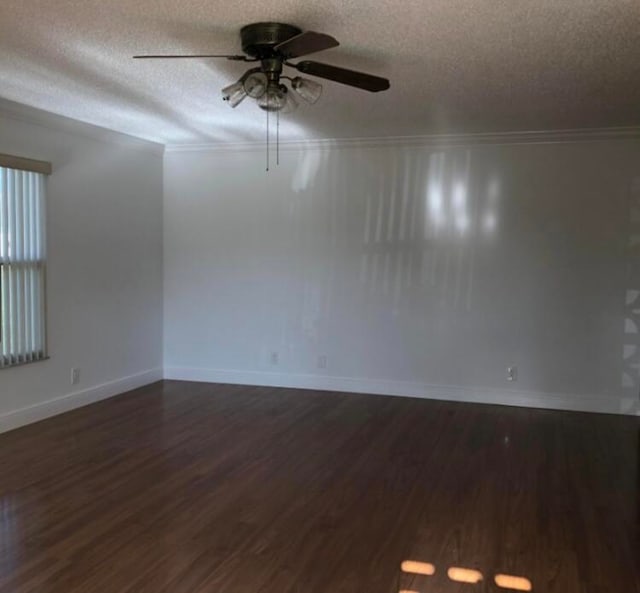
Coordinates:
22 266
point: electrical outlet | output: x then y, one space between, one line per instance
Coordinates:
322 361
274 358
75 376
512 373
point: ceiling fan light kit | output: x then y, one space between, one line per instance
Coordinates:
273 45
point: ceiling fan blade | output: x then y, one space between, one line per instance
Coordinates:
162 57
304 44
360 80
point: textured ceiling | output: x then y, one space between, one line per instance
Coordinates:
454 65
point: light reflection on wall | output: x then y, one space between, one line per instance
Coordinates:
451 198
436 216
490 214
309 163
425 223
460 214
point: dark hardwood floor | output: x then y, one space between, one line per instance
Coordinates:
193 488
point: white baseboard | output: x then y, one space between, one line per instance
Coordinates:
77 399
508 397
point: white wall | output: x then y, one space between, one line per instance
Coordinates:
104 293
415 270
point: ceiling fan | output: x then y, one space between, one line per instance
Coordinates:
273 45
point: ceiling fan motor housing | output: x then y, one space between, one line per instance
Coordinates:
259 39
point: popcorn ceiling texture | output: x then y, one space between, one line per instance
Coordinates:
454 65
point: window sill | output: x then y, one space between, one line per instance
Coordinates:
21 364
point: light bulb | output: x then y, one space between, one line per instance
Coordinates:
309 90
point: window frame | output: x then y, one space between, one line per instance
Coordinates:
27 270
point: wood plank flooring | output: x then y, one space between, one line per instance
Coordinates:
195 488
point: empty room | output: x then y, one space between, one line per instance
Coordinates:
320 298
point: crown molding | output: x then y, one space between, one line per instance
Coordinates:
439 140
54 121
32 115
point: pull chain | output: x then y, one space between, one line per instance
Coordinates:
267 137
277 137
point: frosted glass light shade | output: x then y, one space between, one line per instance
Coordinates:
234 94
309 90
255 85
274 99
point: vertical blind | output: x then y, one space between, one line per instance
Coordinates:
22 267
